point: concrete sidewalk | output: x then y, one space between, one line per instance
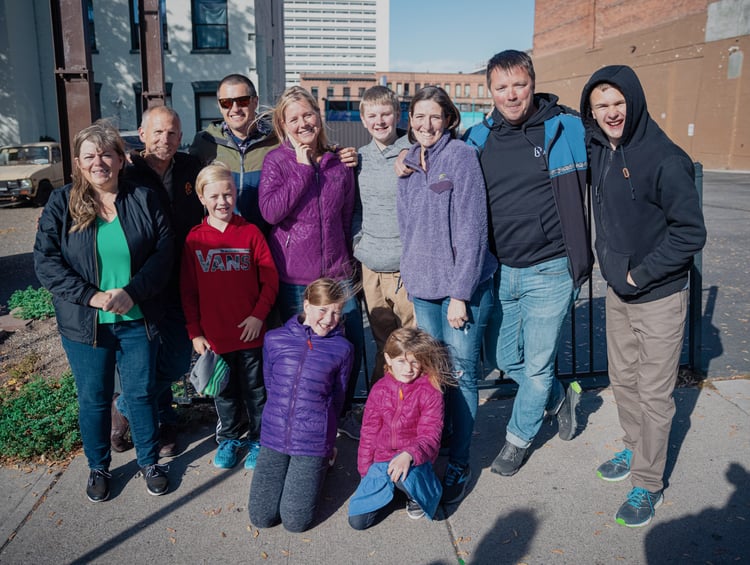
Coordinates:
553 511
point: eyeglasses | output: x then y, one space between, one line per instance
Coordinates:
242 102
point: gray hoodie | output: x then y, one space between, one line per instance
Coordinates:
377 244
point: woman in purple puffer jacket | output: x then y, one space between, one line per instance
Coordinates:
306 365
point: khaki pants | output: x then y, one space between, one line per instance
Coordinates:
643 349
388 309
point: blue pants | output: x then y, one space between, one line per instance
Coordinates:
125 345
465 346
523 337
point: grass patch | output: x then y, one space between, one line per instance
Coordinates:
40 419
32 304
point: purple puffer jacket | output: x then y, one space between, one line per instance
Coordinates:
305 377
310 209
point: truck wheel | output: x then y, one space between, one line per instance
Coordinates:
42 193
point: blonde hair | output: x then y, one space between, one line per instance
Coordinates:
83 204
214 172
380 95
429 352
298 94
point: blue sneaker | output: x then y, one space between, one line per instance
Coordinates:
617 468
455 482
639 508
226 455
252 455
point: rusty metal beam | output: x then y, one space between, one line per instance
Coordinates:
152 54
73 73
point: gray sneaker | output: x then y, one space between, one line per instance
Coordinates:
509 460
617 468
567 423
413 510
350 426
639 508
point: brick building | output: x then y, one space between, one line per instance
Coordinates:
689 55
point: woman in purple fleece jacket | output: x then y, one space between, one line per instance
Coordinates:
446 265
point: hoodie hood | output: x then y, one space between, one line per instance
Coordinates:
636 118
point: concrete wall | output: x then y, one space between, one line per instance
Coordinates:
693 67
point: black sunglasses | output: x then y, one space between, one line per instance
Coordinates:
242 102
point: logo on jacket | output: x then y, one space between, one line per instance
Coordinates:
538 151
230 259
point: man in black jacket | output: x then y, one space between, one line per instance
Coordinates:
649 225
171 174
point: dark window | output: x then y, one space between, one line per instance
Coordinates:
90 18
210 25
138 90
314 92
329 92
406 89
347 92
206 106
135 38
361 91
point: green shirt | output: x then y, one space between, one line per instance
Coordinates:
113 259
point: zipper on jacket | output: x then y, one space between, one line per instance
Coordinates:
396 414
98 282
293 399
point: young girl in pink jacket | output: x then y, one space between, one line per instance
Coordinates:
401 430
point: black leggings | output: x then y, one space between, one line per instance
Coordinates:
286 489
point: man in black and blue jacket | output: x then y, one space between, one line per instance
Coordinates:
533 157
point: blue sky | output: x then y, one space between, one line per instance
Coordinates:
451 36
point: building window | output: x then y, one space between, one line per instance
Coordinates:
138 90
361 91
399 88
97 100
480 90
458 90
135 37
467 90
314 92
416 87
347 92
406 89
90 18
329 92
447 88
206 107
210 25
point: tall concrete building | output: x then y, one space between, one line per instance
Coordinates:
335 36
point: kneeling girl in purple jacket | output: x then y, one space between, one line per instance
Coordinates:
401 430
306 366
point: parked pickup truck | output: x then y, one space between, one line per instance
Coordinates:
30 171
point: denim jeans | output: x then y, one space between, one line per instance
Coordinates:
172 362
523 337
289 301
125 345
465 347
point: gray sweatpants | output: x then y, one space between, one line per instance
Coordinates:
286 489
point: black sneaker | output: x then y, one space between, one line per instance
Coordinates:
157 482
97 489
639 508
413 510
455 482
566 415
509 460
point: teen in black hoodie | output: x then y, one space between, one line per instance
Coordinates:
649 225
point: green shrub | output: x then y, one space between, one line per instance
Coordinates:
40 419
33 304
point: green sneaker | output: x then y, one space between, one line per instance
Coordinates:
639 508
617 468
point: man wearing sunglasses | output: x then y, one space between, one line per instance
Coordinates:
241 141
